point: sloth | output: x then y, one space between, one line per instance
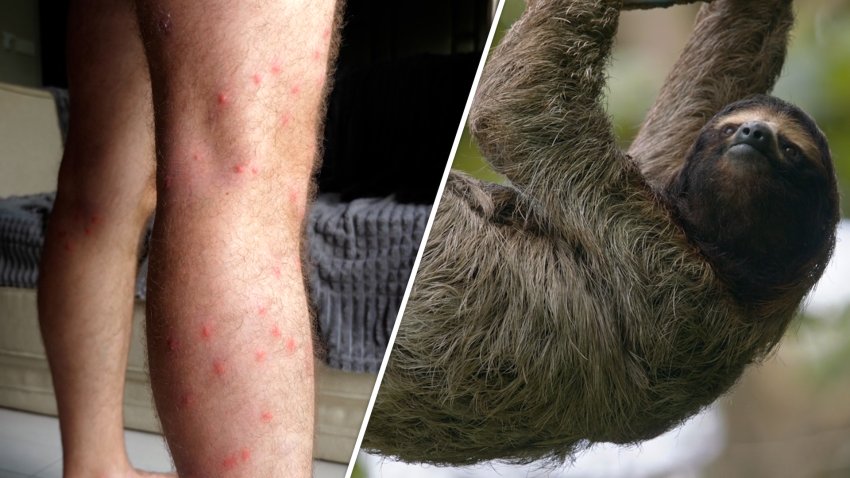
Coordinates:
753 195
608 295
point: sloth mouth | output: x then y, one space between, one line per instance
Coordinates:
746 151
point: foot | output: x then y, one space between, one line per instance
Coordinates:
145 474
128 472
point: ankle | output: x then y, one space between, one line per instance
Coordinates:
100 466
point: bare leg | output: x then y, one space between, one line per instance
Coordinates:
104 197
238 92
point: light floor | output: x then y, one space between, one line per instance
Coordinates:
30 447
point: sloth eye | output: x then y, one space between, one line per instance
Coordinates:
791 151
727 131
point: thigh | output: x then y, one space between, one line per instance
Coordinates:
235 82
109 152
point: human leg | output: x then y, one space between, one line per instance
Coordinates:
238 90
105 195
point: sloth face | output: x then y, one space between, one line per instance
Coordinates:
752 151
764 141
754 194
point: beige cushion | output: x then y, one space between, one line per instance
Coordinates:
25 384
30 151
30 141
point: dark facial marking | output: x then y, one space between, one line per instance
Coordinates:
755 196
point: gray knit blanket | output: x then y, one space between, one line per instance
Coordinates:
361 254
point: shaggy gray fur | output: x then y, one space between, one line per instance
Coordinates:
569 308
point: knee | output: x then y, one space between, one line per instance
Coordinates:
92 192
147 200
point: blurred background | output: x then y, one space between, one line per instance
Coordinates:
790 416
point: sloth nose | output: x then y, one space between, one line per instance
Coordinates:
756 134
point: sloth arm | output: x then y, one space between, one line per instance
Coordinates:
538 117
736 50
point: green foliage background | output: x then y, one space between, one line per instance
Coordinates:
816 78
